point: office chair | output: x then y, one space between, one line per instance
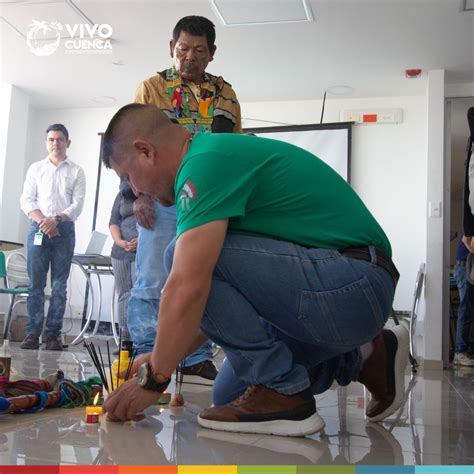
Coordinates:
15 281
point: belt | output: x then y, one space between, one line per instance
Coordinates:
383 260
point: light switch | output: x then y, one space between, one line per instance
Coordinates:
434 209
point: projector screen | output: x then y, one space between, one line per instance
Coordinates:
331 142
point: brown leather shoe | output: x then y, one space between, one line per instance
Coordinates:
383 372
265 411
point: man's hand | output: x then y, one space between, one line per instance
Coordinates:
129 401
144 211
48 226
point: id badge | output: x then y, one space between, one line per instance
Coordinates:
38 238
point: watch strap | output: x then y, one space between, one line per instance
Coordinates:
152 384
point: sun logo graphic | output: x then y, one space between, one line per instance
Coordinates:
43 38
188 191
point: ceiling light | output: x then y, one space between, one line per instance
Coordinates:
259 12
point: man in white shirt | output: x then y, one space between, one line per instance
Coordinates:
53 197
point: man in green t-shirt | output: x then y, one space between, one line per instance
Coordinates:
277 260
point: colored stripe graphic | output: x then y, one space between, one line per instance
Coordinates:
266 470
325 470
148 470
207 469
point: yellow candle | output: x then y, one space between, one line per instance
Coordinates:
94 409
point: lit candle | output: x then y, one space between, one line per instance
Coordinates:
93 412
94 409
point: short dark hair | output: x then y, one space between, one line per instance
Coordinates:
110 135
196 26
58 127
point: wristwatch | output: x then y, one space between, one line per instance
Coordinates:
146 380
57 219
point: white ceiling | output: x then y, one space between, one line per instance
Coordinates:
366 44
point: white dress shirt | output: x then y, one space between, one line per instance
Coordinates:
54 189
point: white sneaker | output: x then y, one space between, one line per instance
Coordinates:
463 358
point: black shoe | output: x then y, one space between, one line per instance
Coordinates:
54 343
203 373
30 342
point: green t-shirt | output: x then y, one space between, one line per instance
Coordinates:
271 189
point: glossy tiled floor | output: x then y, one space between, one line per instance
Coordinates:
436 426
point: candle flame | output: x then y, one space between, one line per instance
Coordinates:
96 399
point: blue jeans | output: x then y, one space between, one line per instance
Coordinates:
150 278
291 317
465 319
58 253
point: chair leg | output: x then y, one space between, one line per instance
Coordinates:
9 317
413 361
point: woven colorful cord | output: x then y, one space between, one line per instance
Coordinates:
72 394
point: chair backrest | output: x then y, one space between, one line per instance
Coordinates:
96 243
420 279
3 268
17 272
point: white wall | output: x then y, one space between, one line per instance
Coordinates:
15 116
14 120
437 260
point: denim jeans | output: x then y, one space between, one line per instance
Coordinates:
291 317
465 319
57 253
124 276
150 278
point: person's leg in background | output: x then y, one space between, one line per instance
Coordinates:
62 251
465 318
124 276
145 295
38 258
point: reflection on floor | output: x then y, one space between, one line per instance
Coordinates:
436 426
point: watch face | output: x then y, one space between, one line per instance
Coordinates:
142 374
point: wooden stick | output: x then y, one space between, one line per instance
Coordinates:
106 385
92 352
120 352
99 367
130 364
110 367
